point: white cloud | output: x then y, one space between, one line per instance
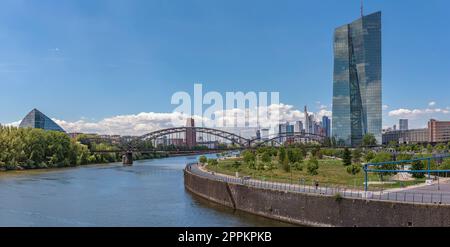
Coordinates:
385 107
432 103
13 124
145 122
416 113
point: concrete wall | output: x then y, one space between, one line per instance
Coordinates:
317 210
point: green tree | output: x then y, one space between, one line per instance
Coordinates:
356 156
312 166
282 155
369 140
317 152
347 157
285 165
354 169
369 156
203 159
417 165
248 157
298 166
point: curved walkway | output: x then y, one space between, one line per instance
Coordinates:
426 194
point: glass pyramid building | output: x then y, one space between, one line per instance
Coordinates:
37 119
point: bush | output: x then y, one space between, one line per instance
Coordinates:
313 166
347 157
353 169
203 159
212 162
298 166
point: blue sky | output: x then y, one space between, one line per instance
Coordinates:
94 59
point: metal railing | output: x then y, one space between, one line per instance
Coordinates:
432 197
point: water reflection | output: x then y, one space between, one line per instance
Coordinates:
150 193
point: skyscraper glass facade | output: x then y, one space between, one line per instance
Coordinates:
357 80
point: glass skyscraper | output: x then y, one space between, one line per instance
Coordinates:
357 80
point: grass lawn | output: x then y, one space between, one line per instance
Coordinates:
331 172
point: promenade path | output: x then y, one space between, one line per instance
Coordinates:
436 193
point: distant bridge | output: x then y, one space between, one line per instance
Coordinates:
238 141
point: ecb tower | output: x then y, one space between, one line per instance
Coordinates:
357 80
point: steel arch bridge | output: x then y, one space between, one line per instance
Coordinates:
280 138
243 142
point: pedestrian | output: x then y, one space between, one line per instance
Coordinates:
317 185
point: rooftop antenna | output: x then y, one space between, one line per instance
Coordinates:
362 8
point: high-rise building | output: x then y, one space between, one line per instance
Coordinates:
38 120
357 80
326 125
289 129
403 124
439 131
191 136
298 127
311 124
307 121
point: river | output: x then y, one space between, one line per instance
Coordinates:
149 193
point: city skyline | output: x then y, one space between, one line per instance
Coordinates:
275 59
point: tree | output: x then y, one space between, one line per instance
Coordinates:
356 156
369 140
316 152
282 155
248 157
354 169
369 156
298 166
313 166
417 165
383 157
347 157
303 151
203 159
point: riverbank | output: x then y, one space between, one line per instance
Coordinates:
49 169
313 209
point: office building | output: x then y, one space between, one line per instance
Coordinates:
326 125
357 80
439 131
403 124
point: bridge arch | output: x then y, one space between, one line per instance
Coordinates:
243 142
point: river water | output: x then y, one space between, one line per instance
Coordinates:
149 193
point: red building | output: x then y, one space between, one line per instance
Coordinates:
191 137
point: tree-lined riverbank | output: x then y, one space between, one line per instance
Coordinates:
27 148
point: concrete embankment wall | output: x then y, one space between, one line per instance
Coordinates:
317 210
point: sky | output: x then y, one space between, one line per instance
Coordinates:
112 65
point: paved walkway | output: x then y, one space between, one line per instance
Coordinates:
434 194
